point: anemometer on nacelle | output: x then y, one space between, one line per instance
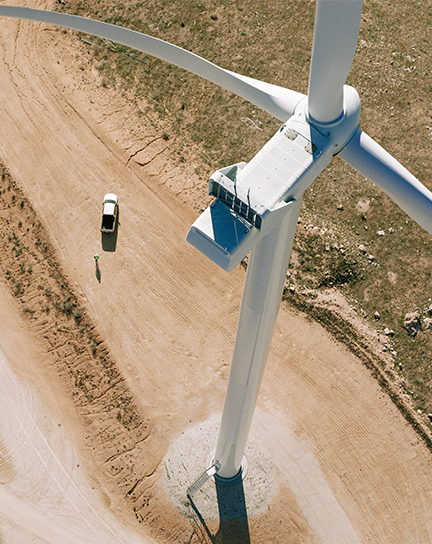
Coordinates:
252 197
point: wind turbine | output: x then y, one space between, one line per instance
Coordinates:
257 204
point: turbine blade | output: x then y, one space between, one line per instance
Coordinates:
373 162
337 24
280 100
273 99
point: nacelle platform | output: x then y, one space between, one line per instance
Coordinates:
250 197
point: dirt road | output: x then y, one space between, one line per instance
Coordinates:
45 492
168 315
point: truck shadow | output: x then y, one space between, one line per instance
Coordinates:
109 239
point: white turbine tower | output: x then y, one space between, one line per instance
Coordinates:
257 204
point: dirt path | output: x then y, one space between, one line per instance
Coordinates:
168 316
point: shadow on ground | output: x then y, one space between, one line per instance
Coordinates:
233 518
109 239
98 271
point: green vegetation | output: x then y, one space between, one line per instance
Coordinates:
271 41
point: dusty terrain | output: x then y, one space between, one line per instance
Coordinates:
131 355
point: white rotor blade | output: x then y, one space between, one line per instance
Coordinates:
337 24
273 99
373 162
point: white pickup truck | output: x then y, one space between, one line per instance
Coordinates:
109 213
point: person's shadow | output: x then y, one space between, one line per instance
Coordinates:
98 272
233 518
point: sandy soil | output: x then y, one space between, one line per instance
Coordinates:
162 319
45 493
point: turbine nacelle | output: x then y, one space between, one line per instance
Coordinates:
252 198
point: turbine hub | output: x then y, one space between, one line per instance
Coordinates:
341 130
